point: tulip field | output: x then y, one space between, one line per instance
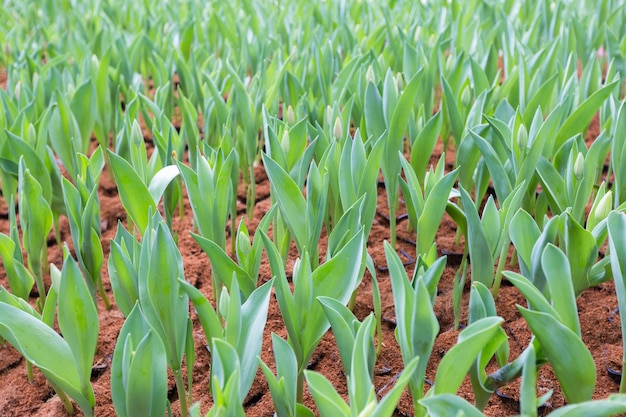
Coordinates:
289 208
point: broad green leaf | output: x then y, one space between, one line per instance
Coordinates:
388 403
524 232
249 340
536 300
328 401
444 405
135 196
374 119
161 180
48 352
78 319
499 176
344 325
580 118
582 252
164 304
289 198
20 279
146 380
564 348
223 266
449 102
617 246
210 322
457 362
528 386
614 405
479 250
556 267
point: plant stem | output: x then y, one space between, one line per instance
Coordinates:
622 383
300 388
103 294
35 267
29 371
498 278
251 197
67 404
182 395
392 224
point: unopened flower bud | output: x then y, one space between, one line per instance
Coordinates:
522 137
284 142
399 81
338 128
329 114
466 97
418 34
18 87
604 207
290 116
579 166
243 243
431 39
370 77
449 64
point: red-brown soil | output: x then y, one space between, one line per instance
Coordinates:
600 322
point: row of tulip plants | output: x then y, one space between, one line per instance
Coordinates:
330 98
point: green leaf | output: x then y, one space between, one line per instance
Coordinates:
224 267
556 267
290 200
161 180
564 348
580 118
524 232
457 362
614 405
146 382
454 116
249 340
48 352
164 304
479 250
344 325
328 401
499 176
78 319
582 252
444 405
134 194
374 119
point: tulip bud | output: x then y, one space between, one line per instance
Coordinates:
399 81
18 87
579 166
95 62
290 116
370 77
329 114
243 243
418 34
466 97
449 64
522 137
338 128
604 207
284 142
